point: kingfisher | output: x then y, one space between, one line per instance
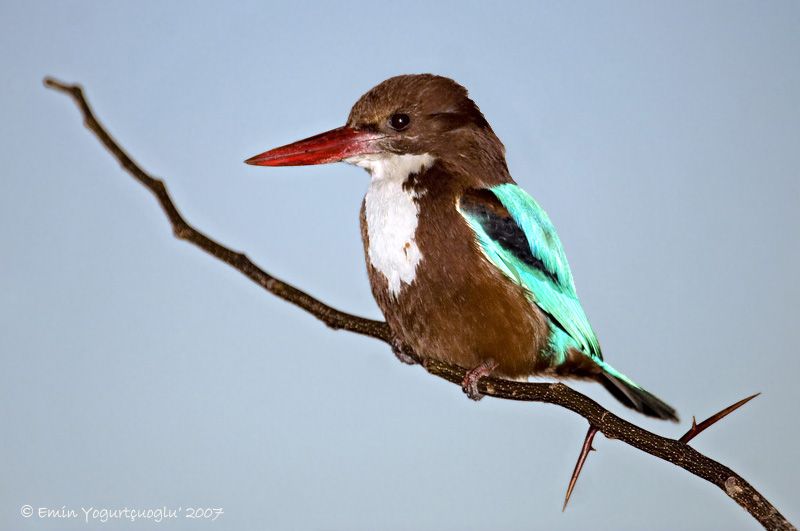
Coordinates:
466 267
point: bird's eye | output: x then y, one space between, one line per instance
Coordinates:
399 121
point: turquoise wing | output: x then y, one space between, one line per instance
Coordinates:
517 237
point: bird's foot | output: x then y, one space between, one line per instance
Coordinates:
399 350
470 382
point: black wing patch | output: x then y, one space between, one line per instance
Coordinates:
495 219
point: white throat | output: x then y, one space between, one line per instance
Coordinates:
392 215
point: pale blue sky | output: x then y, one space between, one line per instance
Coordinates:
663 140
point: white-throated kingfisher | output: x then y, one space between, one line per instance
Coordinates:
465 265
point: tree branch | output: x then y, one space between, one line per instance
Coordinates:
600 419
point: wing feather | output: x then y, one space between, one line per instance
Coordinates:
518 238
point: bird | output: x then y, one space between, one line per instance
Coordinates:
466 267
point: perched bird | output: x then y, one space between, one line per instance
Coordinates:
465 265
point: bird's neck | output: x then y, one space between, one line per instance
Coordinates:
391 167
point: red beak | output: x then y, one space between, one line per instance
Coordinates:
331 146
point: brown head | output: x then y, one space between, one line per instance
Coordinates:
410 114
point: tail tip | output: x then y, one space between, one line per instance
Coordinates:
637 398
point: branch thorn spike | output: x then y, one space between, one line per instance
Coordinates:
697 429
585 449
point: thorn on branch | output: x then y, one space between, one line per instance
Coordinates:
585 449
696 428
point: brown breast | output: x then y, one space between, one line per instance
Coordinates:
459 308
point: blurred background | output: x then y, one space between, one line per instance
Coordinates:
662 138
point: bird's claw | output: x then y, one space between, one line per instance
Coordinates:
470 382
470 387
399 351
